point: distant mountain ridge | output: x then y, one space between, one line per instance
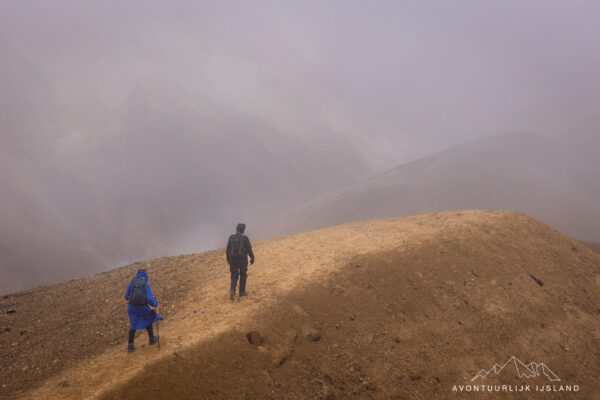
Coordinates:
522 172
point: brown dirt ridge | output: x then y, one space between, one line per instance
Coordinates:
404 307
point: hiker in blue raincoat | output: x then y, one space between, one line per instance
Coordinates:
141 316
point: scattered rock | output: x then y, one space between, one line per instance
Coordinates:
283 356
460 322
538 281
7 329
397 340
299 310
284 352
255 338
11 311
474 274
311 334
542 325
25 368
352 317
338 326
22 333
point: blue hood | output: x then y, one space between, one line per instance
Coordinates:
143 275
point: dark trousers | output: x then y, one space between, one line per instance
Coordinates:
148 329
238 268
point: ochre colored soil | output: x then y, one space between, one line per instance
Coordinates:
405 307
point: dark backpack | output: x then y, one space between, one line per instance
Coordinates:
137 295
238 249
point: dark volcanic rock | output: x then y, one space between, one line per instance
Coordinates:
255 337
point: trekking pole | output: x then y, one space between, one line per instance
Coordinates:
157 332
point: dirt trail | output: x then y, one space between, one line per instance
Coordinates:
282 264
198 312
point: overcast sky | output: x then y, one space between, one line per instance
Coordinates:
132 129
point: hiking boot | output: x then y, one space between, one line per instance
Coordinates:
243 294
130 348
231 296
154 339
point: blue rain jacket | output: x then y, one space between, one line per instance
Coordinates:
142 316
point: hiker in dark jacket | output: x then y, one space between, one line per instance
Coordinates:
141 316
237 252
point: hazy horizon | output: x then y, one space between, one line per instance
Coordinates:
137 129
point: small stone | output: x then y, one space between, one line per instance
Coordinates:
564 348
255 338
352 317
312 334
11 311
337 326
25 368
22 333
397 340
537 280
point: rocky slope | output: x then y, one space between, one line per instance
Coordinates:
406 307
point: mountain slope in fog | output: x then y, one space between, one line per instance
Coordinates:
372 309
521 172
162 173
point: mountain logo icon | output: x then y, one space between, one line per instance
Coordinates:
530 370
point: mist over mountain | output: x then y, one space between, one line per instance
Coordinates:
168 184
521 172
142 128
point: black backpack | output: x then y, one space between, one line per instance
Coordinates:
137 295
238 249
